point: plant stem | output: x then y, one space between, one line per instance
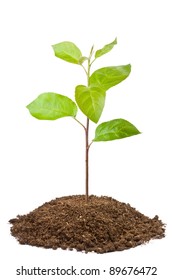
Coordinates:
84 69
87 145
80 123
87 161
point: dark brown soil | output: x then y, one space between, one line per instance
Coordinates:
101 225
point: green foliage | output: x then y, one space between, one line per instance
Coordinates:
52 106
108 77
107 48
91 101
90 98
67 51
115 129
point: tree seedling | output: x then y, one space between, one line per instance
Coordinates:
90 98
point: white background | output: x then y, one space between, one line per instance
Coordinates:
41 160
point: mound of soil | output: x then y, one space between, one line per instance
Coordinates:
101 225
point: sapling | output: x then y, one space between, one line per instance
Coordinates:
90 98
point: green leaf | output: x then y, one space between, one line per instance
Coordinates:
107 48
82 59
52 106
67 51
91 101
115 129
108 77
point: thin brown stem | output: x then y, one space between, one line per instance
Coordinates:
87 145
87 162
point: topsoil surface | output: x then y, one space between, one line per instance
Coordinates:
101 225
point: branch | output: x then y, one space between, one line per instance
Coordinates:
90 145
80 123
84 69
92 61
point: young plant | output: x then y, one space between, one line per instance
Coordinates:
90 98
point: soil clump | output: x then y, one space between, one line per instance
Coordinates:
102 225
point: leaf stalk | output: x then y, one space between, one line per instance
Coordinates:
80 123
